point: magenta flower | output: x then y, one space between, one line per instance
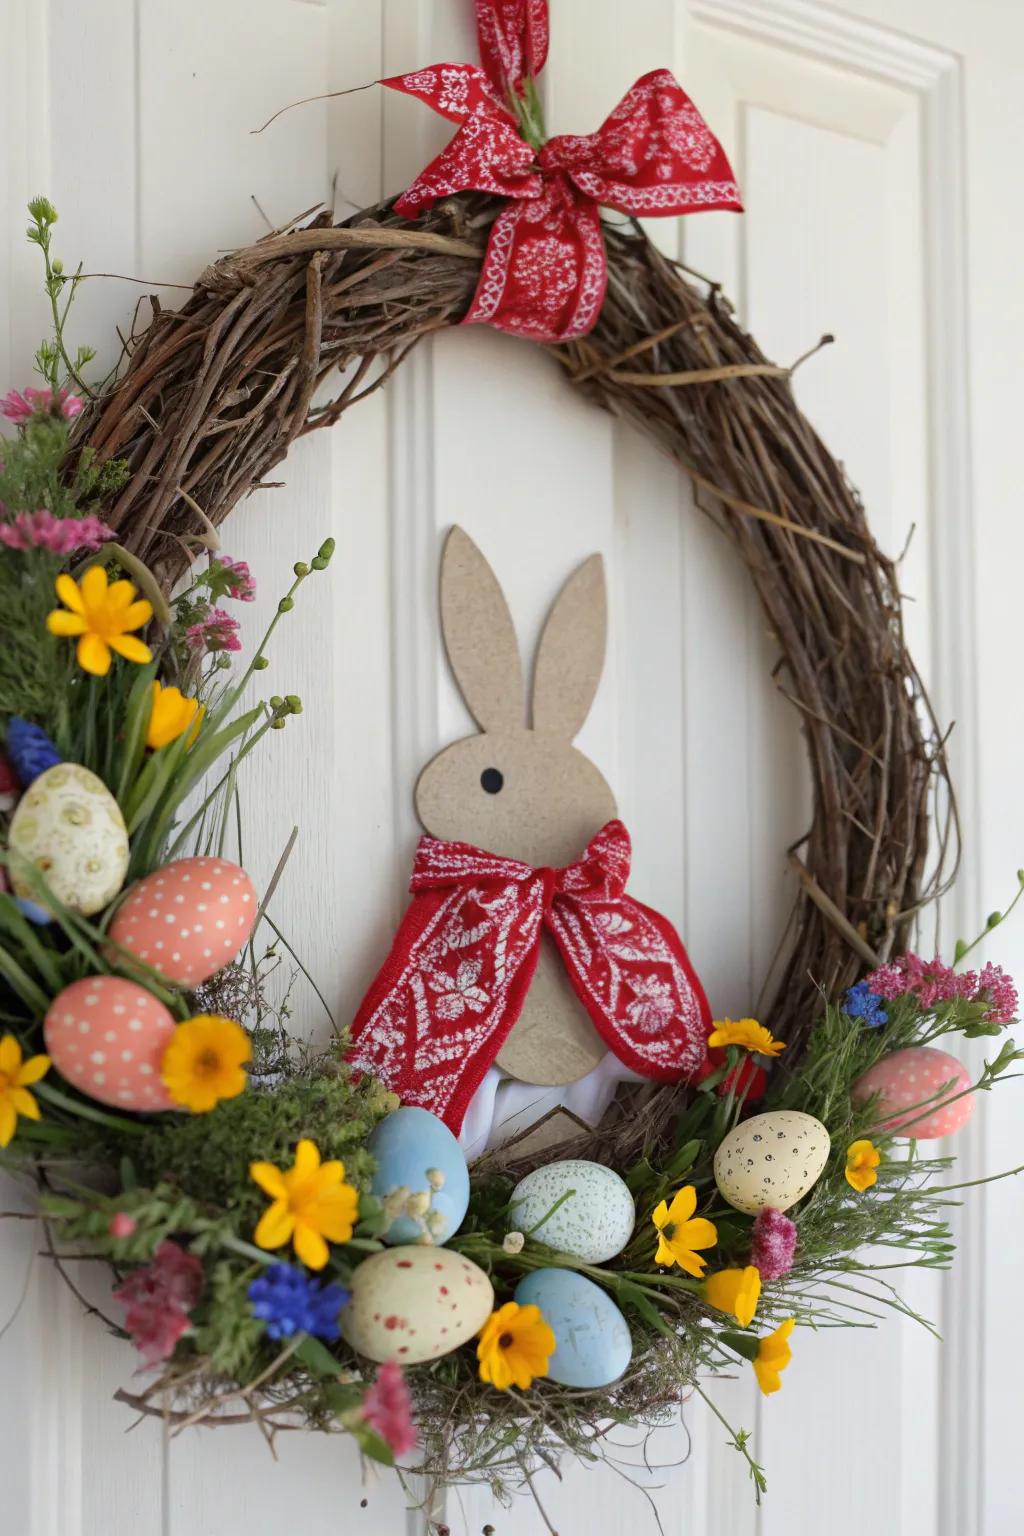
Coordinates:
773 1244
218 631
930 981
58 535
158 1298
387 1408
996 989
20 407
237 579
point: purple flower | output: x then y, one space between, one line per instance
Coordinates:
773 1244
218 631
30 749
996 989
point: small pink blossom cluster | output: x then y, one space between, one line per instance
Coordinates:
218 631
387 1408
158 1298
20 406
58 535
932 982
237 578
773 1244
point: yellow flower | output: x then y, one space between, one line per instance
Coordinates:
311 1203
736 1291
515 1346
101 616
15 1076
205 1062
678 1234
747 1033
773 1355
170 715
862 1158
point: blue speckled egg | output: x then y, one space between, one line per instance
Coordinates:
421 1179
593 1340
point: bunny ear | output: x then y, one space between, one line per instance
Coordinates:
571 652
480 637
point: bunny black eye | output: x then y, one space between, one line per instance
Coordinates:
491 781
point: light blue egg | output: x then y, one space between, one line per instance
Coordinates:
416 1151
593 1338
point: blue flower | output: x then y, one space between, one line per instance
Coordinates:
862 1003
30 749
290 1301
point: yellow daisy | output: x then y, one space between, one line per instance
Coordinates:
170 715
773 1355
205 1062
734 1290
746 1033
680 1232
862 1158
311 1203
102 617
515 1346
15 1077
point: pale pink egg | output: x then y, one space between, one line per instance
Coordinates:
907 1083
189 919
107 1036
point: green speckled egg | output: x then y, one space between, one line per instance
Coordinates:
593 1224
70 827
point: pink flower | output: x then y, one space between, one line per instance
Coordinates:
387 1408
59 535
773 1244
217 632
158 1298
997 989
21 407
930 981
237 578
121 1224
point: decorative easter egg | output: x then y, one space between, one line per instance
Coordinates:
421 1177
907 1083
415 1303
771 1160
68 824
107 1036
593 1340
189 919
594 1220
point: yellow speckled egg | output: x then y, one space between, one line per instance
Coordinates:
771 1160
68 824
415 1303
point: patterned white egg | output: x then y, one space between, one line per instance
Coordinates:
415 1303
594 1222
68 824
771 1160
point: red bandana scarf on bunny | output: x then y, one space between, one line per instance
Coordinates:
455 981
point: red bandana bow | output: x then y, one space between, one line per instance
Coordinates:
544 272
455 981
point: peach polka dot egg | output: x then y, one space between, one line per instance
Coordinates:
107 1036
189 919
908 1084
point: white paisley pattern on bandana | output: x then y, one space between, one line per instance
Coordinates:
435 1018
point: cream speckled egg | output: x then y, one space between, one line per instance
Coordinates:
593 1224
189 919
908 1084
415 1303
68 824
107 1036
771 1160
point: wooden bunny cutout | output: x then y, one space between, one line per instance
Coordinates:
523 976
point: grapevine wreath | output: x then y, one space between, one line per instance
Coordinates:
275 1221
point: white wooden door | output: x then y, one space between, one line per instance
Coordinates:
875 148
